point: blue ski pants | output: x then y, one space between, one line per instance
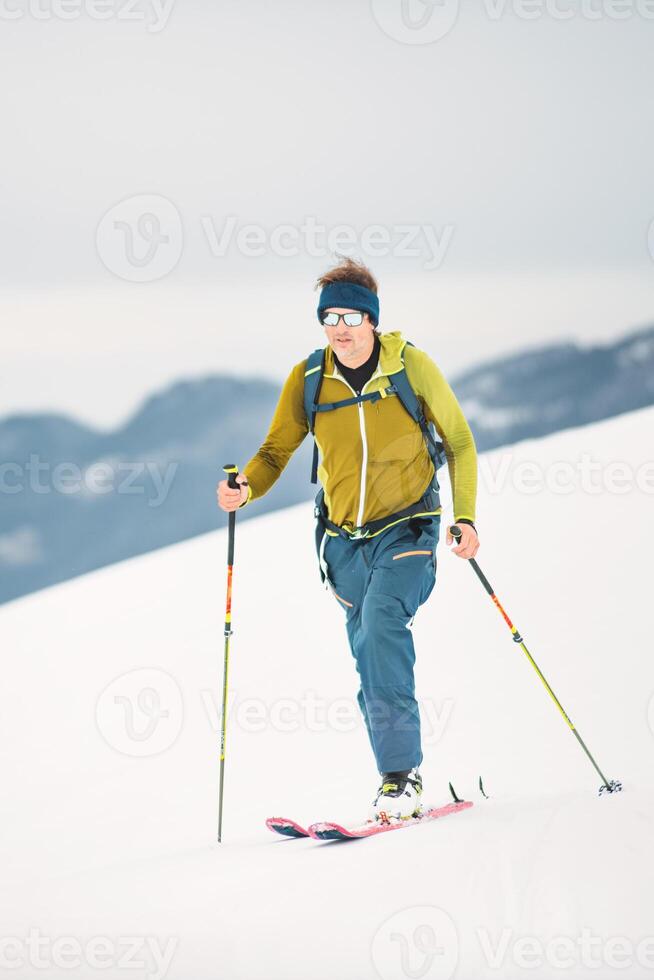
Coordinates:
380 582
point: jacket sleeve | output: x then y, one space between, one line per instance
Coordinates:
287 430
443 409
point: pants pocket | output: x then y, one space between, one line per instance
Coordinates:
341 572
343 602
426 532
411 554
320 541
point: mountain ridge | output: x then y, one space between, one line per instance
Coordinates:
165 460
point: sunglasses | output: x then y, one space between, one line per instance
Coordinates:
349 319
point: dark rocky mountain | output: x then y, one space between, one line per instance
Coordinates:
557 387
73 499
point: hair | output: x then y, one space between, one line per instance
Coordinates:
349 270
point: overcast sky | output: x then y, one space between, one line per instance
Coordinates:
174 177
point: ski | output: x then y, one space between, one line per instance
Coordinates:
334 831
287 828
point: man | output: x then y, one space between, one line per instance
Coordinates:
378 514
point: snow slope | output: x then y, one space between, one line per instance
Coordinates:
109 747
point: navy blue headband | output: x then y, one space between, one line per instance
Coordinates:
350 296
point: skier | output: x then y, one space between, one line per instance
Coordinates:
378 513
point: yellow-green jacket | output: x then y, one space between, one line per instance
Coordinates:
374 459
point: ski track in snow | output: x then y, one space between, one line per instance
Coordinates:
99 842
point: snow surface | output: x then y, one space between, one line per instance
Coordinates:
109 753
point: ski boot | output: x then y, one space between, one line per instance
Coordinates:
398 797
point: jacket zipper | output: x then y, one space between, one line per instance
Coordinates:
364 463
364 442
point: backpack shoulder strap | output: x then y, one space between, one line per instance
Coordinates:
313 373
405 392
410 402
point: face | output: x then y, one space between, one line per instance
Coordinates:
352 345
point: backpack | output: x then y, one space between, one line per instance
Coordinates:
399 386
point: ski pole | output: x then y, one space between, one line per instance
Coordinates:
232 472
611 787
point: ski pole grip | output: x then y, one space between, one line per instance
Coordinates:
231 469
455 531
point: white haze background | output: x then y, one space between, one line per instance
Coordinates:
524 143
